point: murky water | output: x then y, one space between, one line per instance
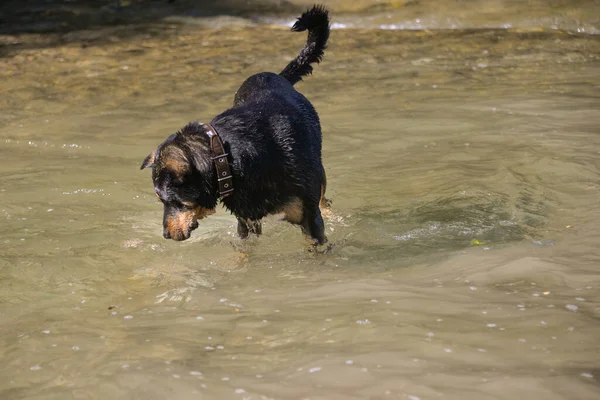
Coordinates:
464 169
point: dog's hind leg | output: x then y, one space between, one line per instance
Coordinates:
312 223
246 226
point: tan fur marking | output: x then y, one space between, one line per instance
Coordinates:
324 202
172 227
202 212
179 225
177 166
293 211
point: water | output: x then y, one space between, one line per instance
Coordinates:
463 168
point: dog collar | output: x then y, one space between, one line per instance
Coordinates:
219 158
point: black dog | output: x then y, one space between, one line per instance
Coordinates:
263 156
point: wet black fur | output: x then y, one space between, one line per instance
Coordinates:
273 135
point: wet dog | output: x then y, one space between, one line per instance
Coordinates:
260 157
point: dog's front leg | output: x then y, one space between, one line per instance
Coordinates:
312 225
246 226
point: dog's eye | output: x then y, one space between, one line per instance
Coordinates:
188 204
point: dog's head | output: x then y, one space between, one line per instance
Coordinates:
182 173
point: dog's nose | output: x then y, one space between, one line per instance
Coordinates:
166 234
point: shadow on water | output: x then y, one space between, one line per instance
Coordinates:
99 21
39 16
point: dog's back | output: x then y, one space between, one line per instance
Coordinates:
277 132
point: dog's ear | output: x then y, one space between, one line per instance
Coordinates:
149 161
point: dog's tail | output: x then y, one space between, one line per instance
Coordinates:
316 20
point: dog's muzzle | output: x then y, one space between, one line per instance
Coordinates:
179 225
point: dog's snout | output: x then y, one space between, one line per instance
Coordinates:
166 234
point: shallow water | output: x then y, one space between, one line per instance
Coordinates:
464 172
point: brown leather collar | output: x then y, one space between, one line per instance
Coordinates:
220 159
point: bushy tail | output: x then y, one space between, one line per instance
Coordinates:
316 20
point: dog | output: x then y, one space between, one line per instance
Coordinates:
260 157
